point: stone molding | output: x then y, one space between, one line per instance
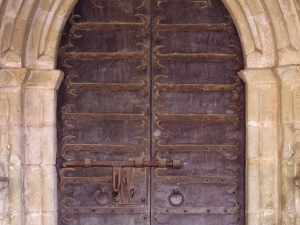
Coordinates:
262 146
30 32
290 149
28 146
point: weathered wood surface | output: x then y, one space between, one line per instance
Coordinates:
151 80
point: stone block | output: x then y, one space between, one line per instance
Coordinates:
253 186
288 218
4 201
268 104
40 145
253 104
33 145
16 218
46 5
15 194
255 7
49 188
14 146
49 218
288 8
34 108
288 185
40 107
268 186
4 219
4 145
269 143
269 218
33 190
4 109
10 106
49 145
253 141
33 219
252 218
288 148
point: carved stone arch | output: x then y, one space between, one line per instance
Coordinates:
269 31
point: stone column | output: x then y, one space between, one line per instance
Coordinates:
11 154
290 152
40 178
262 147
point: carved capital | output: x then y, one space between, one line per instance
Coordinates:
44 79
12 77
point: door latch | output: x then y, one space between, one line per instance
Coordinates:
117 171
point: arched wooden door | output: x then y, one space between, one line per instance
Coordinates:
150 114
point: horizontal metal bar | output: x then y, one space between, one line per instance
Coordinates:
196 210
130 163
114 210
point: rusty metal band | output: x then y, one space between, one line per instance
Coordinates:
128 163
201 210
103 148
195 148
93 56
206 3
197 210
102 56
64 180
93 117
218 118
198 179
158 26
169 87
192 148
73 87
96 5
143 26
195 180
199 57
96 210
102 210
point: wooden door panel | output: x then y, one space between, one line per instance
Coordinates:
197 115
104 112
150 80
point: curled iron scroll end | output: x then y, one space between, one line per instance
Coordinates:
64 210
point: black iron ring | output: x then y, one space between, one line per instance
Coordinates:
176 192
102 192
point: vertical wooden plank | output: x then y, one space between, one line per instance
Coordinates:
104 110
198 114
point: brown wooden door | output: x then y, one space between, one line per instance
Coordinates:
151 114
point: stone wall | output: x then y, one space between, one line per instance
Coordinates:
30 32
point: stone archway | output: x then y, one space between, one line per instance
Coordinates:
30 32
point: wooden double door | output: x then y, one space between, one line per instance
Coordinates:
150 114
